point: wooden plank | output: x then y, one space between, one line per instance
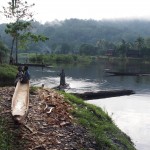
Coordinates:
20 101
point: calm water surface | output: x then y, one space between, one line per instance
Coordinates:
130 113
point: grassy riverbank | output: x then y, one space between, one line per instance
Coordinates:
88 124
58 58
7 74
76 58
101 126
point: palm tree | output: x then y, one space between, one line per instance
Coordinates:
123 48
140 44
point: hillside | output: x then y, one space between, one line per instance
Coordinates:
74 32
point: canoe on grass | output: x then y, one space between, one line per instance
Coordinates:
20 101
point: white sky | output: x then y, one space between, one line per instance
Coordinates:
49 10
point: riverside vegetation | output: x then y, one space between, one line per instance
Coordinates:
55 58
7 74
80 59
98 124
101 126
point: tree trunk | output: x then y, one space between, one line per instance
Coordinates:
11 52
16 50
0 58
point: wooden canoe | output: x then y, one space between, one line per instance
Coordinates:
115 73
103 94
20 101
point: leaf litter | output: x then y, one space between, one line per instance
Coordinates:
49 124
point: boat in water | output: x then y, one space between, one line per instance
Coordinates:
115 73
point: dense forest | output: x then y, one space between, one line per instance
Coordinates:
90 37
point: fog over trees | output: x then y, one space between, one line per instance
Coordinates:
71 36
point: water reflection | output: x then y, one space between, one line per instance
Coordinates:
86 77
132 115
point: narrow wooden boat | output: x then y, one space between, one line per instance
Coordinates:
20 101
103 94
115 73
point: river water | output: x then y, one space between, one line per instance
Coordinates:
130 113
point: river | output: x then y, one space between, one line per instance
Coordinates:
130 113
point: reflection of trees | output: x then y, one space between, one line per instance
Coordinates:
138 79
122 78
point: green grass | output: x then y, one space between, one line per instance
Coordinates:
5 136
7 74
107 134
9 136
59 58
33 89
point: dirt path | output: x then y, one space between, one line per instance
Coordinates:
48 126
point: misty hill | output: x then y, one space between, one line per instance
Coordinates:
74 32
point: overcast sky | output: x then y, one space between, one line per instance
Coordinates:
49 10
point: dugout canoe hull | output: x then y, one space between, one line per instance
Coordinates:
115 73
103 94
20 101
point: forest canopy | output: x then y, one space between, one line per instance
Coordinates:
71 36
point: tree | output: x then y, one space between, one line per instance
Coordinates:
3 51
65 48
19 29
147 42
104 45
101 44
123 47
139 43
88 49
14 3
